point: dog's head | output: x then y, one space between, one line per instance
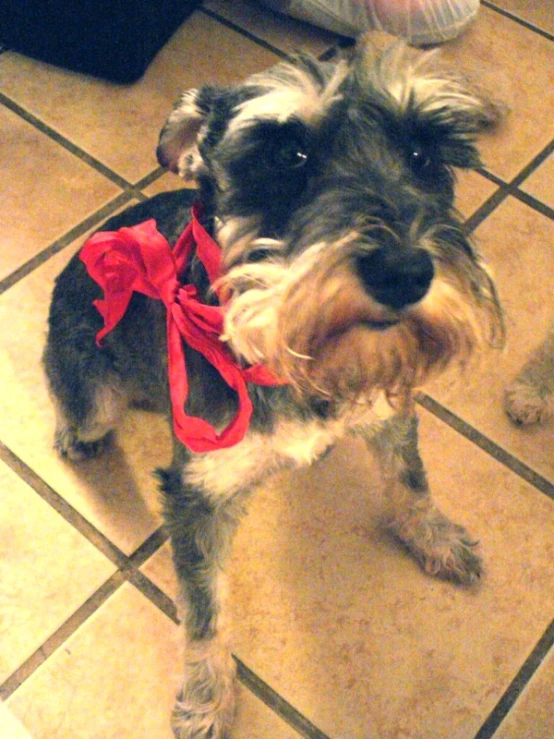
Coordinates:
331 185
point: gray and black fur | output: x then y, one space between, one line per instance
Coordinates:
329 188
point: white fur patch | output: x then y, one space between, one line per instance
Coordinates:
289 92
412 78
226 472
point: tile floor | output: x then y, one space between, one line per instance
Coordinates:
337 632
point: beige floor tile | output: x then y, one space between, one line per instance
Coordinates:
90 690
159 569
47 571
541 183
538 12
516 67
322 599
254 720
39 178
282 32
533 714
116 492
112 678
10 726
120 124
517 242
338 619
472 190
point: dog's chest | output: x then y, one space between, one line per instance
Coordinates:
291 443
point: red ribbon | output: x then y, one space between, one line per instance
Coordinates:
139 259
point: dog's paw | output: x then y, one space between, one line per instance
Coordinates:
443 548
202 720
454 558
524 405
68 445
205 706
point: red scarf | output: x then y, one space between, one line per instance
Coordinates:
139 259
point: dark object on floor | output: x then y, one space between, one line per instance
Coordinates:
112 39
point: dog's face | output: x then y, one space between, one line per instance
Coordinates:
332 187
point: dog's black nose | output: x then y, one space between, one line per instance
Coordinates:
396 276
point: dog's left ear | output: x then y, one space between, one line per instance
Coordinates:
436 104
178 143
455 124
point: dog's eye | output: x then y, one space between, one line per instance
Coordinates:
419 158
260 254
290 155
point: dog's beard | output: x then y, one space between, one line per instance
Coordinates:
315 326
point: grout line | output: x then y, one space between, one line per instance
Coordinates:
58 138
247 677
518 684
491 177
485 444
243 32
279 705
67 629
149 547
149 179
533 203
507 189
486 209
526 24
70 514
534 164
60 243
127 572
154 594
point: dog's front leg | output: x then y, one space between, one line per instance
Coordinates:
201 530
444 548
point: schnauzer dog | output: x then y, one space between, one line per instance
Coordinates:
530 397
324 276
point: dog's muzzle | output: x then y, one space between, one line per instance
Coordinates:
394 276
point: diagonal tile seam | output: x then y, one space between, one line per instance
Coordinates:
487 445
511 188
529 668
63 241
133 192
128 565
70 514
342 42
63 141
128 571
276 703
522 22
243 32
247 677
60 636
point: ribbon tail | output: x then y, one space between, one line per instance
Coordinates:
196 433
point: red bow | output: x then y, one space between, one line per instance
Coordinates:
139 259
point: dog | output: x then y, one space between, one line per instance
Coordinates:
342 281
529 397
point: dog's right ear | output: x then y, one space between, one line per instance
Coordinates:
178 143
